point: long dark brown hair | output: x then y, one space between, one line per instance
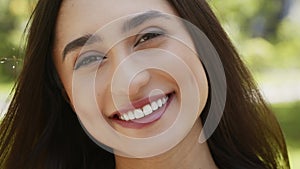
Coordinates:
40 130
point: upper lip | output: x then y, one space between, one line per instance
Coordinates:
137 104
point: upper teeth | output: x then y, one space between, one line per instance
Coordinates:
144 111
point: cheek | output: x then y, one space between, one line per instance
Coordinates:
192 61
202 82
203 85
102 89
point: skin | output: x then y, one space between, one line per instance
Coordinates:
80 17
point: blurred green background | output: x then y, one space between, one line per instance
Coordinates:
267 35
265 32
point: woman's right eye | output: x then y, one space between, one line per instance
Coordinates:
88 58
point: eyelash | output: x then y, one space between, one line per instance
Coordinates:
96 57
147 36
89 59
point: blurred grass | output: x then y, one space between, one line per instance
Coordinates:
288 115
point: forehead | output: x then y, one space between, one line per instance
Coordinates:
79 17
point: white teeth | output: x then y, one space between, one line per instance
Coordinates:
164 100
159 102
130 115
126 117
154 106
146 110
138 113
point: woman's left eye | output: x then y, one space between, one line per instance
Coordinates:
147 36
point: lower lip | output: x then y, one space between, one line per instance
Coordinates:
147 120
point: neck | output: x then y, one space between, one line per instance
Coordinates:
187 154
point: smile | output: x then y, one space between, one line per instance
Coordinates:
144 113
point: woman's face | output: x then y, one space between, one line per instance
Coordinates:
131 64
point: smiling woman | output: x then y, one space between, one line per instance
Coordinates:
112 84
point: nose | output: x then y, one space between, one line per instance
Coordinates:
138 83
132 80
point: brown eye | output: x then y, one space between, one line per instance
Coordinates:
146 37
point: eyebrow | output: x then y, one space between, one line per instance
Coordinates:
79 42
141 18
128 25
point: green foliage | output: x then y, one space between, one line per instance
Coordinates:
262 35
276 48
288 115
12 19
8 23
5 88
